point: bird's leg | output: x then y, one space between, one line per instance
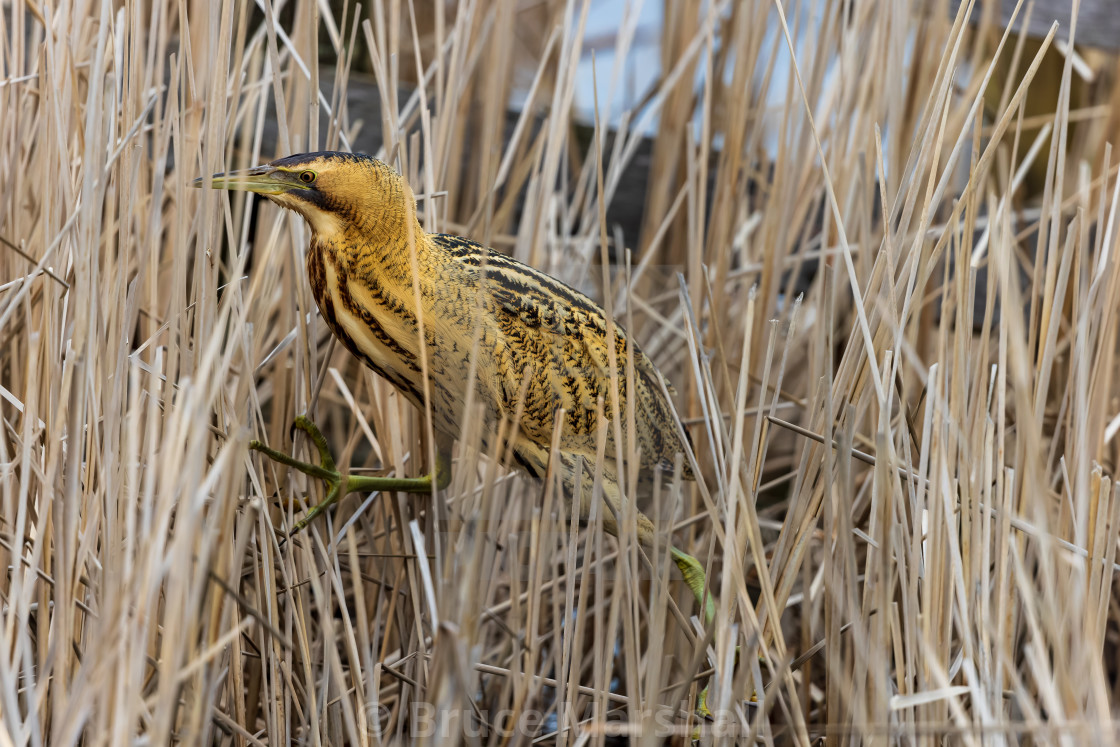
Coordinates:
693 572
340 485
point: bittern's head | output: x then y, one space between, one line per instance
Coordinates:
336 192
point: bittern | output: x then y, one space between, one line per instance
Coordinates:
540 343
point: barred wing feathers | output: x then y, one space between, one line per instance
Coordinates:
559 336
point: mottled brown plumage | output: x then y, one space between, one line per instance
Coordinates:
529 327
360 270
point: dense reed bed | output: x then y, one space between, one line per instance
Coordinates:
888 303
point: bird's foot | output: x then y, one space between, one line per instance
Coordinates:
339 485
694 576
702 710
693 573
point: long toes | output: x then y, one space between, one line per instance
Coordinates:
702 709
306 425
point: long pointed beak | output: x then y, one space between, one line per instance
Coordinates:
265 180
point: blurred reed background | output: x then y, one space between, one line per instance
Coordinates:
888 226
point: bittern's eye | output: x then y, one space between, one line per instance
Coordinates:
307 177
